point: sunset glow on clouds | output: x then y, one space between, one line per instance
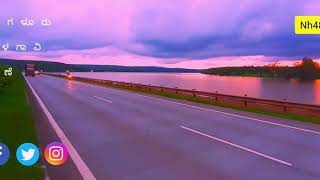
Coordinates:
177 33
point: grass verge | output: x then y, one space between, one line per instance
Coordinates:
16 127
211 102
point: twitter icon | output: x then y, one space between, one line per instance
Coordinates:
27 154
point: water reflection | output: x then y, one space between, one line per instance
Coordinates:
292 90
70 85
317 91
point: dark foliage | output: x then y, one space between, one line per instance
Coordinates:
307 70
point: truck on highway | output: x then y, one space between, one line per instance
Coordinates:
30 70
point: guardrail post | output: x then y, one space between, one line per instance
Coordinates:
149 87
245 101
194 93
284 107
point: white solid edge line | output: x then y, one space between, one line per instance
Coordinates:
237 146
80 164
230 114
103 99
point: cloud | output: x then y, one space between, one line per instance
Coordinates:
169 32
113 56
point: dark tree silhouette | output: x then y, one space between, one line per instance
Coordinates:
307 69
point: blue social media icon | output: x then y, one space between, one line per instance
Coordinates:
27 154
4 154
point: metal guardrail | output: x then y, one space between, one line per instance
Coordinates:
240 101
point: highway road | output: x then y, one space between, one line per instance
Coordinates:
123 135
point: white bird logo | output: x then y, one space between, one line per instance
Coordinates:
27 155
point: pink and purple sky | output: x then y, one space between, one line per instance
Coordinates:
169 33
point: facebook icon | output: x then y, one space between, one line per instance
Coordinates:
4 154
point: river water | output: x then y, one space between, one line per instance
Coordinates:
293 90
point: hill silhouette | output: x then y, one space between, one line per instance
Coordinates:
48 66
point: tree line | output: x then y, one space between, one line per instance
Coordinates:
307 69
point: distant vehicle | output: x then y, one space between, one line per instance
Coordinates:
68 74
30 70
37 72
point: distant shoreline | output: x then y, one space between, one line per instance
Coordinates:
48 66
306 70
263 76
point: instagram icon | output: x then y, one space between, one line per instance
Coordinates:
56 153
